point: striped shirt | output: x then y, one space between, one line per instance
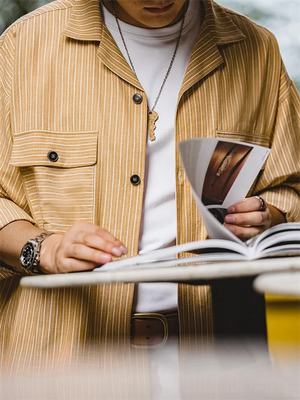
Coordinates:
66 87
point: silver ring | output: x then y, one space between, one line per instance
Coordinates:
262 203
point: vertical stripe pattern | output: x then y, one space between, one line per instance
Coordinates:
66 87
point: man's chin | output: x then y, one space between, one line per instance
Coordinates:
156 21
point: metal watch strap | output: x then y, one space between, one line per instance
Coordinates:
40 238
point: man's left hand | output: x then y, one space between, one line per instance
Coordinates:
245 219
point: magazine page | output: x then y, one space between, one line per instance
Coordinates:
201 259
208 250
278 240
286 227
220 173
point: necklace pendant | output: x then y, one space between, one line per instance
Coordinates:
152 118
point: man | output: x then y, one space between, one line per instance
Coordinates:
94 99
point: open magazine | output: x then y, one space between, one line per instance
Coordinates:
220 173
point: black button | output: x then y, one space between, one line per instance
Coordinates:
52 156
135 180
137 98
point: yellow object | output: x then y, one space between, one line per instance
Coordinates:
283 324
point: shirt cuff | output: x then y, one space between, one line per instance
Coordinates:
10 212
285 200
6 271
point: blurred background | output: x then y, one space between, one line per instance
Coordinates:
282 17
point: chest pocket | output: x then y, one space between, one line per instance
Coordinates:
58 171
74 149
259 140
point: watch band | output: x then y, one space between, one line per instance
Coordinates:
35 246
39 239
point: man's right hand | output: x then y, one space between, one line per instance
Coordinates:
83 247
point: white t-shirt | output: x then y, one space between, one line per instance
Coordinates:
151 51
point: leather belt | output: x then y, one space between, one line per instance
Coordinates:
151 330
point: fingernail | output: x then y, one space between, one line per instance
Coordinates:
231 209
124 249
229 219
230 228
105 258
117 251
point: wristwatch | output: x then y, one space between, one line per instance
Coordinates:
30 253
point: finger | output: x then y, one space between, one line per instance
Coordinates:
255 218
106 235
98 242
244 233
73 265
247 205
85 253
84 226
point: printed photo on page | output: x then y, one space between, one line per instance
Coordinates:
220 173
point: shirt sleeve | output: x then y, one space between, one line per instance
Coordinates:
13 203
279 183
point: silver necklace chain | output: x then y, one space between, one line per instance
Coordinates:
173 57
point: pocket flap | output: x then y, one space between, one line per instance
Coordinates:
251 138
71 149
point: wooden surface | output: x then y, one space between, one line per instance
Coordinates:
189 273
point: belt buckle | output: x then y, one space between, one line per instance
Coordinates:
159 317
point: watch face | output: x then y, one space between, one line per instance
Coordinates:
27 256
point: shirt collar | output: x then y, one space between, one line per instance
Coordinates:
85 22
222 28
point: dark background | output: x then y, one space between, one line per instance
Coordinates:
11 10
